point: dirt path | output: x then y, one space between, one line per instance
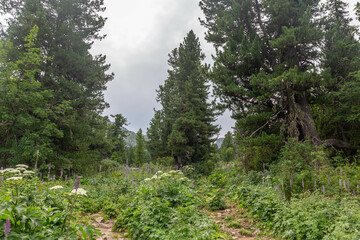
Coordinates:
233 223
105 227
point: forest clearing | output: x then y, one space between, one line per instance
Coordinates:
288 72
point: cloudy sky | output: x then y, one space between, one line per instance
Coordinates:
140 35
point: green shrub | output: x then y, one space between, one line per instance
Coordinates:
307 216
215 200
256 151
347 224
218 178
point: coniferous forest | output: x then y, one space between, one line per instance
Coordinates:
289 73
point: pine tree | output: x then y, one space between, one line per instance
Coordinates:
187 122
157 143
226 150
140 152
280 63
67 29
335 111
264 68
24 107
117 136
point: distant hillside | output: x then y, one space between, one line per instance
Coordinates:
130 140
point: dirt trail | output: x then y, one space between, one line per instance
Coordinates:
233 224
105 227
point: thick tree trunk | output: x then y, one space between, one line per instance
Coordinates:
299 123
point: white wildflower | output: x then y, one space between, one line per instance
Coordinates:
22 166
79 191
14 179
11 170
56 187
147 179
21 169
29 172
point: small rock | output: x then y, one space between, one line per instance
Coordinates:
100 220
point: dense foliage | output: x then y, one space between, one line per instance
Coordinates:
69 83
289 73
184 128
34 209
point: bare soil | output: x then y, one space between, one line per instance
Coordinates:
106 229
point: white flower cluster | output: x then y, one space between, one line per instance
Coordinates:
177 174
22 166
13 179
79 191
20 170
56 187
10 170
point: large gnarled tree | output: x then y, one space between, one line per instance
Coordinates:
267 66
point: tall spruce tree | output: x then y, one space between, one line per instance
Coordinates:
67 29
116 135
187 116
157 144
140 151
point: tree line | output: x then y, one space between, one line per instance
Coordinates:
287 70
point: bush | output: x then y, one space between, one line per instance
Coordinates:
108 165
258 151
215 200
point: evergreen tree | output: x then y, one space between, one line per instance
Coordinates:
157 143
187 117
226 150
24 107
117 136
335 112
140 152
266 67
228 141
67 29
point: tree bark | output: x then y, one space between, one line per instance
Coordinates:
299 123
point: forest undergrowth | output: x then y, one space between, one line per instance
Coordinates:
155 202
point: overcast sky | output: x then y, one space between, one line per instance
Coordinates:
140 35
